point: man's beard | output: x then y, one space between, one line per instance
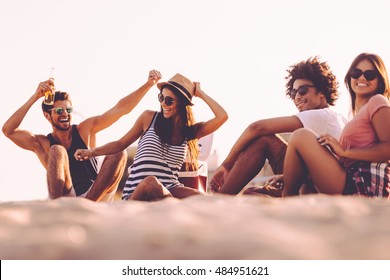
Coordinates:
58 126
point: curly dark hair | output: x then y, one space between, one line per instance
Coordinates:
59 95
383 78
319 73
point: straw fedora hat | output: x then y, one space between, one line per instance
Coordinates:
182 84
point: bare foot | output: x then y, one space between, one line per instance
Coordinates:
218 179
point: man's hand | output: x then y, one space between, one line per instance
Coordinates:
275 181
44 87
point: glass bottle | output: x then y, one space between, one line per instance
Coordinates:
49 95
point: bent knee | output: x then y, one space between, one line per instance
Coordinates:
122 154
150 185
301 134
151 181
57 149
57 152
118 156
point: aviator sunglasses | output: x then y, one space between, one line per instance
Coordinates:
168 100
60 110
369 75
302 90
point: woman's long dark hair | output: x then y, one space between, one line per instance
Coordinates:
164 128
383 78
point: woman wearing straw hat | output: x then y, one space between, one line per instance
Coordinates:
168 139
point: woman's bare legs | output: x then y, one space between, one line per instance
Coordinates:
306 156
183 192
150 189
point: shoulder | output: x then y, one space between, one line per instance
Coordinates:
332 114
86 124
378 99
319 113
375 103
42 143
314 113
79 128
146 118
42 138
320 116
326 110
148 115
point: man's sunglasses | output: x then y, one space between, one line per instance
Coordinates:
302 90
369 75
60 110
168 100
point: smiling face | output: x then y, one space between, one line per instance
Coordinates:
60 121
169 111
310 100
361 86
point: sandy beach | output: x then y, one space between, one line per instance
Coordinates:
196 228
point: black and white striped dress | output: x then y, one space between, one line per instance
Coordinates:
154 158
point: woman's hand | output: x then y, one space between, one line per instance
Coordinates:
220 115
154 77
332 144
198 91
83 154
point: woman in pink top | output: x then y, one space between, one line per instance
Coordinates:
359 162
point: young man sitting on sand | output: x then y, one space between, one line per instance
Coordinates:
313 88
65 175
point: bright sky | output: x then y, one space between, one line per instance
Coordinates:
238 49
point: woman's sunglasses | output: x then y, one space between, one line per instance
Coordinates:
168 100
302 90
369 75
60 110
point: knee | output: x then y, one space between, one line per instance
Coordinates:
57 149
151 187
120 157
122 154
301 135
57 152
150 182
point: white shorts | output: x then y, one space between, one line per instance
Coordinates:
108 197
